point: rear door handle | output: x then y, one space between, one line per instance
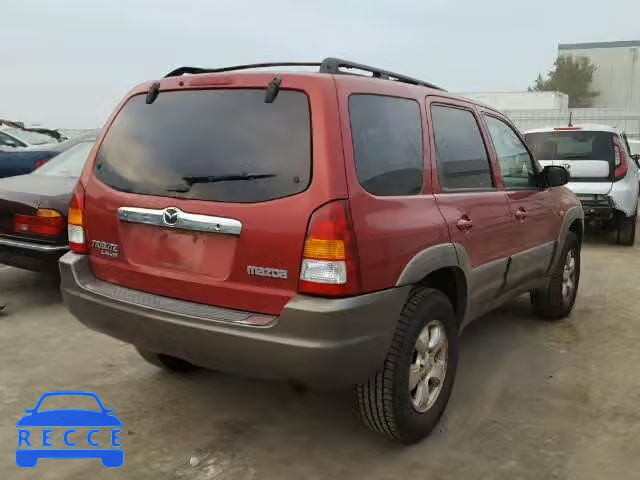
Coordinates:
464 223
521 214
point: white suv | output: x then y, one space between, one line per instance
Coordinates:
603 174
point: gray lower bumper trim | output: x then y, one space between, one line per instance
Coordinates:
314 340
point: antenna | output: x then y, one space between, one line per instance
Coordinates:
570 119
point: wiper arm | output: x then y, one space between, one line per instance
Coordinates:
192 180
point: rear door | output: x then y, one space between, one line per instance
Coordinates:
535 220
587 155
207 193
470 196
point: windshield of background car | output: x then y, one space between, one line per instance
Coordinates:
69 163
221 145
32 138
571 145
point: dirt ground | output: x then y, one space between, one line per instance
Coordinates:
532 400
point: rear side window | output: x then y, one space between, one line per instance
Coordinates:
387 144
7 141
460 151
571 145
219 145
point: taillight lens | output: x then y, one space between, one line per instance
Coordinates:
39 163
620 162
75 218
44 222
330 260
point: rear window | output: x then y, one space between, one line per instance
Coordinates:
571 145
219 145
387 144
69 163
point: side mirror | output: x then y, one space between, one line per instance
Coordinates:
555 176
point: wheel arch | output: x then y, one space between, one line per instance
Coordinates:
573 221
577 227
444 267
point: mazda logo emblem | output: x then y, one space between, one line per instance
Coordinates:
170 216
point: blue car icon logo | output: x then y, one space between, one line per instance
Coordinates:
39 429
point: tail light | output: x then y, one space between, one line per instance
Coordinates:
44 222
620 155
330 258
39 163
75 227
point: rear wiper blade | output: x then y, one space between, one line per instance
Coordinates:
573 157
192 180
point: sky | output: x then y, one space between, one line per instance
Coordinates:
67 63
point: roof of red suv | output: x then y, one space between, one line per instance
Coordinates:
328 65
330 68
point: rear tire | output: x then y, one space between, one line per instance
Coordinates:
166 362
627 230
423 351
554 301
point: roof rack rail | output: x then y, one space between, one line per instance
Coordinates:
195 70
334 65
330 65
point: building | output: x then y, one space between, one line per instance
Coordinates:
617 79
617 75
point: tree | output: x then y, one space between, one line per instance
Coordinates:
570 76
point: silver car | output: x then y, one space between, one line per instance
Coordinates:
603 173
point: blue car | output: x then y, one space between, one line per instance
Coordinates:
34 443
18 160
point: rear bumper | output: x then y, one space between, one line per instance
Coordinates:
599 207
30 255
314 340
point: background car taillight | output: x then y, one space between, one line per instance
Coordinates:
75 229
620 155
44 222
330 259
39 163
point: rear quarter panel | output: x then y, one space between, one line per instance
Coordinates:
390 231
624 192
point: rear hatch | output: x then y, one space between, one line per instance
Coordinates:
587 155
207 194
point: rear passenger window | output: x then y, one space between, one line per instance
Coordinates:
460 151
387 144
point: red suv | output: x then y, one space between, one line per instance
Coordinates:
324 227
